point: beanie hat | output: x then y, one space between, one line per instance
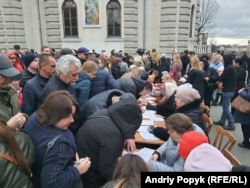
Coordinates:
7 69
170 88
207 158
189 141
183 86
117 60
28 58
66 51
188 95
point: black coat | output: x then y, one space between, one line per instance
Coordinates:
102 138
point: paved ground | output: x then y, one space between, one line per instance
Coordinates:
242 154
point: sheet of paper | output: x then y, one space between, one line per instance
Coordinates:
148 136
144 153
157 118
143 130
147 122
148 114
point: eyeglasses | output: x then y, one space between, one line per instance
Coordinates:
12 58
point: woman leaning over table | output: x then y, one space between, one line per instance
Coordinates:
166 157
55 167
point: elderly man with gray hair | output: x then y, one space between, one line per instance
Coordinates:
67 70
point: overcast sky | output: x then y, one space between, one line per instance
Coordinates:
232 22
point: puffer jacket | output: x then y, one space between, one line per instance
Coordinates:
12 176
8 103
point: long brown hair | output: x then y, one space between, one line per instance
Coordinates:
58 105
128 170
8 140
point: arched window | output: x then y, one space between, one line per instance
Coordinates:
114 18
191 22
69 11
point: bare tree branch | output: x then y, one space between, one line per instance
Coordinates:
208 14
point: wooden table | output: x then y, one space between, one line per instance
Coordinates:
140 140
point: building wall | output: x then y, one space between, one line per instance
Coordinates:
160 24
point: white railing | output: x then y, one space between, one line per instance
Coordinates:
199 49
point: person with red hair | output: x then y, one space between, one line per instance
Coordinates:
11 55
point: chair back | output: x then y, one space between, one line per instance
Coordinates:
234 161
224 139
208 121
205 108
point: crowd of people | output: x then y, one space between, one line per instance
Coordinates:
66 116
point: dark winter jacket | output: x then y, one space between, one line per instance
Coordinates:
55 169
32 94
98 102
196 78
193 111
103 81
132 85
102 138
228 77
82 88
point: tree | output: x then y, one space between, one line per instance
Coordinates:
208 14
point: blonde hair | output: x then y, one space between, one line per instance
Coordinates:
168 78
217 58
89 66
195 63
178 58
135 72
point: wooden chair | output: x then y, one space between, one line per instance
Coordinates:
234 161
206 109
208 122
224 139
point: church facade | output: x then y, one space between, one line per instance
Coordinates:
166 25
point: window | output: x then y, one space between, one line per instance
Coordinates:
69 11
191 22
114 18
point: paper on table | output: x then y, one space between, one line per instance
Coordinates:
143 130
147 122
144 153
157 119
151 98
148 136
150 114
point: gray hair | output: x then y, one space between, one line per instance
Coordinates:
64 63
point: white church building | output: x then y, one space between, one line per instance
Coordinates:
127 25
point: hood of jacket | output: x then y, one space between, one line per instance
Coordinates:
139 85
126 114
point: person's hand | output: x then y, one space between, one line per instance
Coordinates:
143 109
151 128
83 165
17 121
130 145
154 157
144 102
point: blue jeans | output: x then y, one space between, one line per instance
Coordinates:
226 109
